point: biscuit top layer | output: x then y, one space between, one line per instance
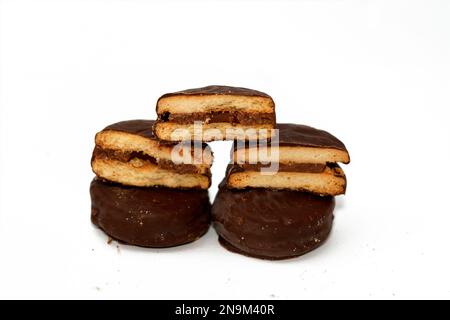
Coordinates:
143 128
215 98
218 90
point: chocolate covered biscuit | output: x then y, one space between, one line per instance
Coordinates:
297 158
224 113
149 217
129 153
271 224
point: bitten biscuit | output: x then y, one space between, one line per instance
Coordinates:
149 217
299 158
271 224
225 113
128 153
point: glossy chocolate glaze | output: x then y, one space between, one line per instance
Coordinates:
296 135
271 224
149 217
300 135
217 90
143 128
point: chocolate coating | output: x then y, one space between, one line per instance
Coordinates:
297 135
300 135
149 217
271 224
218 90
143 128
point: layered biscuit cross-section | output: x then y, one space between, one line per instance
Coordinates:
215 113
128 153
298 158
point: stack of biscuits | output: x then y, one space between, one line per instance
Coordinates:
275 202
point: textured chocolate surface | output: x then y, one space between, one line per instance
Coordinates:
297 135
217 90
233 117
149 217
271 224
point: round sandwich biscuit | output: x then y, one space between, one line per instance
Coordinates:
271 224
149 217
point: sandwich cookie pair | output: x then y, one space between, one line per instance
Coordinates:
277 199
215 113
149 192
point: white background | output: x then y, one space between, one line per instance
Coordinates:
374 73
